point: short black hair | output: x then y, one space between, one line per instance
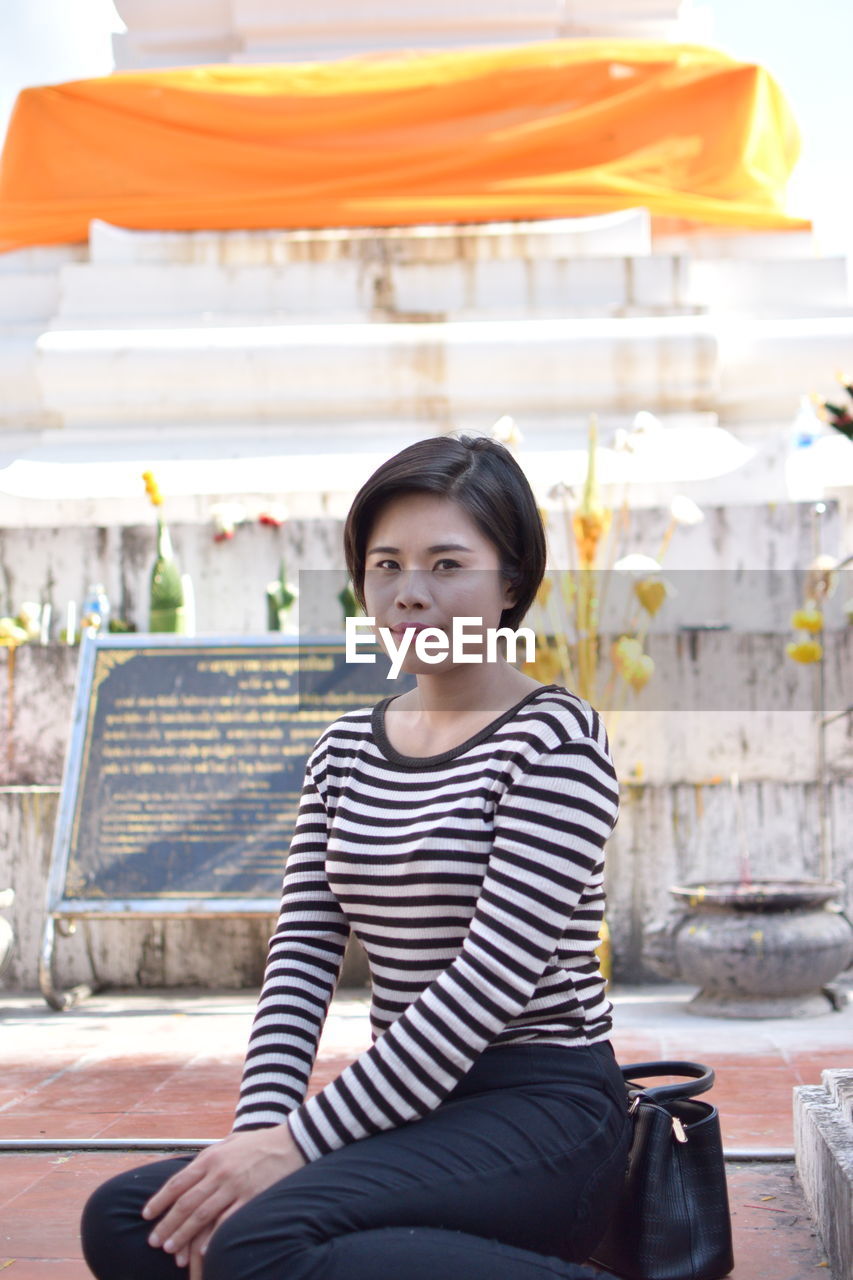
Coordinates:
484 478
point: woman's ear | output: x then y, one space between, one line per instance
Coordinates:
510 593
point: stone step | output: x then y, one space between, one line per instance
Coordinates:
627 231
370 286
421 372
577 267
21 397
823 1136
163 34
745 369
27 297
40 258
72 476
731 242
806 286
77 475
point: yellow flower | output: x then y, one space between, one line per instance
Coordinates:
641 672
634 666
807 620
805 651
651 593
626 652
152 489
592 519
11 633
589 528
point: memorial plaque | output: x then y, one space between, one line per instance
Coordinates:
185 768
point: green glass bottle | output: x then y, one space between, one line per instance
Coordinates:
280 597
167 612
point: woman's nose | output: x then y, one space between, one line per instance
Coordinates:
412 588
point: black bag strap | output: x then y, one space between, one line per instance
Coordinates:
701 1078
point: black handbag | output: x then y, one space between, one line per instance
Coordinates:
671 1221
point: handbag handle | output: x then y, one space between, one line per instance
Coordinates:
701 1078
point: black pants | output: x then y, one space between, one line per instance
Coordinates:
510 1178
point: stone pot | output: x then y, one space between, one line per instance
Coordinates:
765 949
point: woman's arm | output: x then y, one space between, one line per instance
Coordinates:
550 827
305 957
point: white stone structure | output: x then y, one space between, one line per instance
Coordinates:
303 344
161 34
271 367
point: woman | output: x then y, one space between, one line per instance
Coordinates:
458 829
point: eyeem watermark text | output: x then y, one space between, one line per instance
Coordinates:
431 644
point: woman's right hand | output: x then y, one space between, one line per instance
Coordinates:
220 1180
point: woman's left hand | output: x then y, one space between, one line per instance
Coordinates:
217 1182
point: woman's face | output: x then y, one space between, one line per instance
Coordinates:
427 563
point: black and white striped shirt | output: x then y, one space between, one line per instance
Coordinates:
473 879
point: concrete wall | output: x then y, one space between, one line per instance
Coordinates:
209 953
56 565
667 834
55 557
681 821
721 703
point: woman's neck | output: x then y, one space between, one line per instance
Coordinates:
464 691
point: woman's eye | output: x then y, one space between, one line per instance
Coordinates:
443 564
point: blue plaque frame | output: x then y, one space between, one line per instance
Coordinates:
64 907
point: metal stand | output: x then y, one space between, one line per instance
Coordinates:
62 1000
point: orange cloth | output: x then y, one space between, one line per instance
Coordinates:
554 129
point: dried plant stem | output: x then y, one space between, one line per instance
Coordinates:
587 635
559 638
617 531
666 540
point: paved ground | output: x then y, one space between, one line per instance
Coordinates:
166 1065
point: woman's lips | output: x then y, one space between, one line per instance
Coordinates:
400 628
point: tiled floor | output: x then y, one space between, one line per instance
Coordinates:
167 1065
